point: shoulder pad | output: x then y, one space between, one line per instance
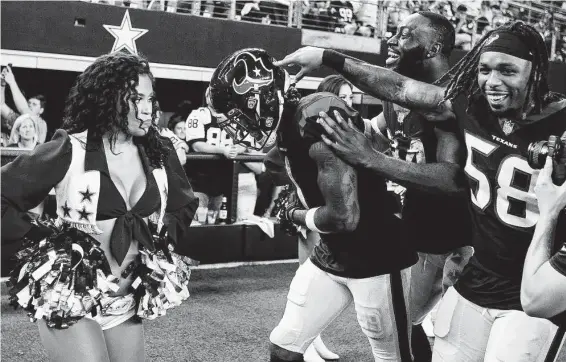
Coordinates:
202 114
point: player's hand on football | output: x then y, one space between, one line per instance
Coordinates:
551 198
346 141
308 58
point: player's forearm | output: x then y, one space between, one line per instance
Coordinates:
540 250
327 220
206 148
383 83
441 177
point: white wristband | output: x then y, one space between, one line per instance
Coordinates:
309 220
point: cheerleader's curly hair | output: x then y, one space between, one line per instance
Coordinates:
98 102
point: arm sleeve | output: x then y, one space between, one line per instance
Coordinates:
558 260
27 180
181 201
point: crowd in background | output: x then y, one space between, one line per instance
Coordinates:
373 18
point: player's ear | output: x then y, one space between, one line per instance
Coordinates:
434 50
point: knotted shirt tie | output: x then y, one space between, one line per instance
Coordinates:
128 227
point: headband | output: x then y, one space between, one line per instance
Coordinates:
509 43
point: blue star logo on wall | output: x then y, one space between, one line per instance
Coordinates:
125 36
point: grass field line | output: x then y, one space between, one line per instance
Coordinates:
234 264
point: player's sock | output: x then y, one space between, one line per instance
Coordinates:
311 355
322 350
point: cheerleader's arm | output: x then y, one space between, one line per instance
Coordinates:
181 201
27 180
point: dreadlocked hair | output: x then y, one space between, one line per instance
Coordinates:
463 76
99 102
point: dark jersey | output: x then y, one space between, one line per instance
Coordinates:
375 247
503 204
433 223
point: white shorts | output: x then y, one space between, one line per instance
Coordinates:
466 332
316 298
115 311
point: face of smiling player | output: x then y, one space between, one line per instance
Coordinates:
503 79
407 48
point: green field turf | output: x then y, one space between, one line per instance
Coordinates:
228 318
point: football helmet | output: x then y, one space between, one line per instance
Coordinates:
246 95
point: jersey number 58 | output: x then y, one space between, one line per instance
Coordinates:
515 204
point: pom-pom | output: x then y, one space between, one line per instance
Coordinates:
61 277
161 279
66 276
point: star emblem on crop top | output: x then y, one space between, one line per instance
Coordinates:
66 210
86 195
84 214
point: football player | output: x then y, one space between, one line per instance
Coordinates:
499 96
420 49
352 263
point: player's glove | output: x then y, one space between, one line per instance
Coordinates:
287 203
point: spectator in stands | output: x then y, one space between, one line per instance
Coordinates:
24 132
210 179
342 13
338 85
178 125
35 105
181 147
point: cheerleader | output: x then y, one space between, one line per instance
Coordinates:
117 183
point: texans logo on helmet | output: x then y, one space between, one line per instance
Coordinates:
257 75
